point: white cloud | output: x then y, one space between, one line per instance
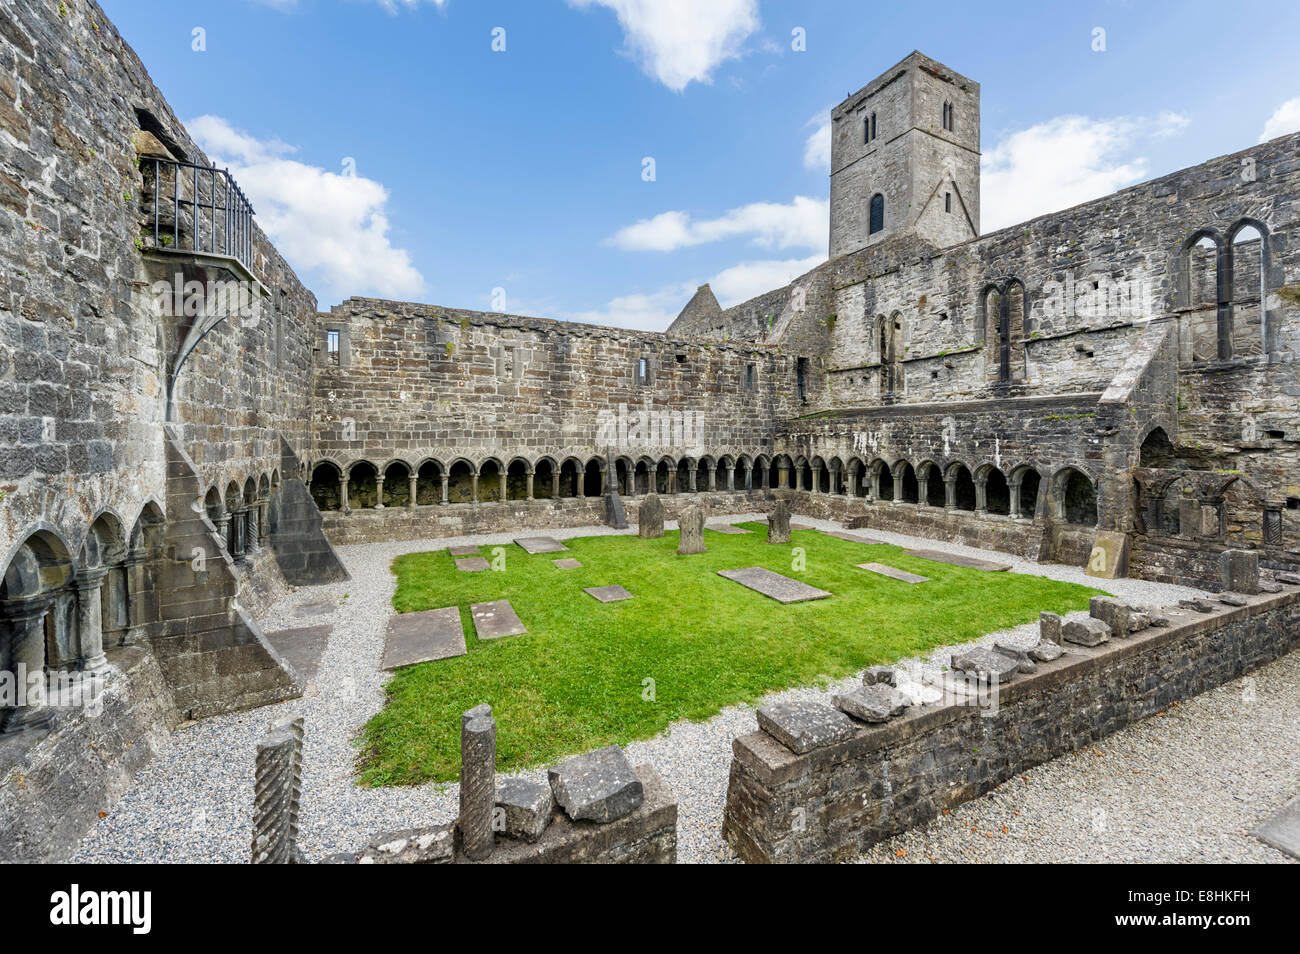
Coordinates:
655 311
1065 161
817 147
1285 119
330 225
801 223
682 41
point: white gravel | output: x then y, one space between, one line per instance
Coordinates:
193 803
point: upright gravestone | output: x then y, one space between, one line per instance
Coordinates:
478 782
691 525
277 791
778 523
1239 571
650 518
614 514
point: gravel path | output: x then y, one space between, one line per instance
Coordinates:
193 803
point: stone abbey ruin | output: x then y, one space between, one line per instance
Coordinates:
1111 386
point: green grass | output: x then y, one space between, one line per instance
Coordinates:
576 681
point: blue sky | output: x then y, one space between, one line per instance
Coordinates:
474 169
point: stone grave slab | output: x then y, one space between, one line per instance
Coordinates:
541 545
473 564
1281 830
973 563
315 608
852 537
726 528
496 619
423 637
801 725
894 573
568 563
302 647
780 588
609 594
463 550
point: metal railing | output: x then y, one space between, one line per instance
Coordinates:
199 209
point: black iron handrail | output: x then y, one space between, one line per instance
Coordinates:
224 213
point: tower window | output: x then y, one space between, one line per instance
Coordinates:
332 347
749 377
876 218
873 126
642 371
948 117
947 201
801 377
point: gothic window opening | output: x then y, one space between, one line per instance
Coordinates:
876 216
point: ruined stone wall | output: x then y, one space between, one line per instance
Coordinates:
419 383
833 802
82 368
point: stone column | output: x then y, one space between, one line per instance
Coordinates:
445 478
473 488
631 481
134 569
950 493
530 475
691 474
875 483
1014 487
344 504
713 477
379 491
89 583
798 477
478 755
782 477
504 475
816 480
223 528
555 485
238 525
22 644
412 482
263 530
923 489
981 500
672 481
277 793
731 477
252 528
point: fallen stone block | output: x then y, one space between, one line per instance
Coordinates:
1114 613
1200 606
1233 599
1239 571
988 665
1291 579
597 786
1138 621
1049 627
1086 632
803 726
525 808
1268 586
413 846
1045 651
878 703
1025 663
1160 620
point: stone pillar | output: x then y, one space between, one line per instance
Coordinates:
263 531
555 484
530 484
478 761
950 493
798 478
504 477
875 483
22 644
713 477
379 491
1014 488
672 481
238 525
691 475
412 483
782 477
631 481
981 499
344 504
445 479
134 569
923 489
223 528
252 528
731 477
473 488
277 794
89 583
816 480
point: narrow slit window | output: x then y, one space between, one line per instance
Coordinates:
947 201
332 347
749 377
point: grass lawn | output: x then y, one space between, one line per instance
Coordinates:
578 679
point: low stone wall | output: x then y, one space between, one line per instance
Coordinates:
453 520
834 801
55 782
